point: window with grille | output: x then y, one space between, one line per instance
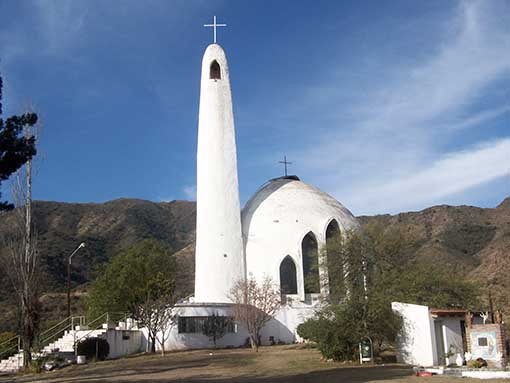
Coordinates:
195 325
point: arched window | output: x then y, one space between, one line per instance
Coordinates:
333 230
335 263
215 71
288 280
310 253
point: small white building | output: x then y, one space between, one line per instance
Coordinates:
431 337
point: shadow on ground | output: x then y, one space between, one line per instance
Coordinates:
156 375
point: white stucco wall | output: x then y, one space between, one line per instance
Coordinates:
416 344
219 245
124 342
277 218
282 328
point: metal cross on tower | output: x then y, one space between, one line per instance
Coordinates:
285 162
214 25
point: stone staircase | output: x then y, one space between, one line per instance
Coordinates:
65 344
73 333
12 364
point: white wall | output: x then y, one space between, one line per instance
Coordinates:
124 342
282 328
416 344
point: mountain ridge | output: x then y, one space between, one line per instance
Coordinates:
471 240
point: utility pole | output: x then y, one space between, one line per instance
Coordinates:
69 278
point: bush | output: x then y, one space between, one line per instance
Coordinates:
309 329
338 329
94 348
34 367
477 363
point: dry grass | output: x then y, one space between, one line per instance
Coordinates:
271 364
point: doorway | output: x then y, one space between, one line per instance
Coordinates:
438 330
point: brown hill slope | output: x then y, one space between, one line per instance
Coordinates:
106 229
472 240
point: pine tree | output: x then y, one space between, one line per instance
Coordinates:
15 148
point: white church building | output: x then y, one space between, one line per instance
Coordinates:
279 232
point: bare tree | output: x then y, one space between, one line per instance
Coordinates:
21 258
157 313
254 305
161 319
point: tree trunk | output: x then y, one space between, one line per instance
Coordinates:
254 344
153 343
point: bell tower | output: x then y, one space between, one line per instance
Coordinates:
219 256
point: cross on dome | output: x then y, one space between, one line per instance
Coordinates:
214 25
285 162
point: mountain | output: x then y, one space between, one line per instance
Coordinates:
106 229
471 240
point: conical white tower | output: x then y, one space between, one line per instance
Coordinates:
219 256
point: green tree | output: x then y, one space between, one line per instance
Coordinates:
368 269
15 147
140 281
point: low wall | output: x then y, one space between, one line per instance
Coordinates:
487 341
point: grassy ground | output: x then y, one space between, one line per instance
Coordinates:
272 364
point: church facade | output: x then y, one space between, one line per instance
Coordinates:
279 233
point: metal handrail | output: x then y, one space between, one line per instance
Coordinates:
9 340
16 346
51 328
67 326
53 335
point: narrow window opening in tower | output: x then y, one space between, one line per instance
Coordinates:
310 253
336 272
288 279
215 71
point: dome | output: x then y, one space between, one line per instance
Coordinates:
280 216
289 201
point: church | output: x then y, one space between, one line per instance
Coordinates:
278 234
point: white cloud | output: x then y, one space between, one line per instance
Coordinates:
453 173
61 23
190 192
392 155
479 118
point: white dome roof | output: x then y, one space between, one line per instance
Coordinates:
277 219
287 201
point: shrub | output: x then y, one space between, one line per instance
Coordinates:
94 348
477 363
338 329
34 367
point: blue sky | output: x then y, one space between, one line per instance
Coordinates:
387 105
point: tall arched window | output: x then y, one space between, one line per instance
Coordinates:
288 280
335 263
215 71
310 253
